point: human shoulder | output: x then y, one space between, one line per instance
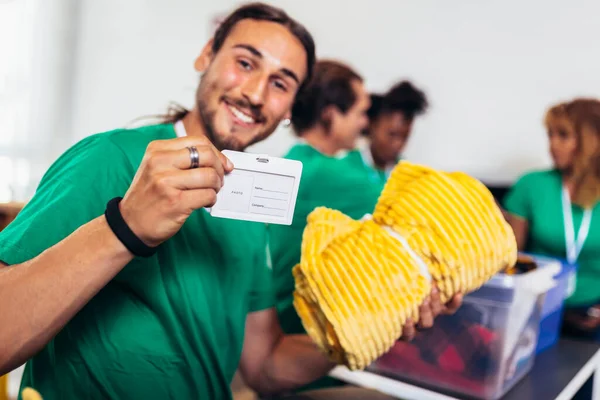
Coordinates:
103 157
313 161
126 141
73 191
133 142
539 178
302 152
523 198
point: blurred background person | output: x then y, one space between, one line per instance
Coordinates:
329 117
555 212
391 118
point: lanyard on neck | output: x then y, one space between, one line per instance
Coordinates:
573 244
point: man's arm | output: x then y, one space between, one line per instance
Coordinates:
273 362
39 296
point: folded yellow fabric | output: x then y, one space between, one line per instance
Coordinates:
359 281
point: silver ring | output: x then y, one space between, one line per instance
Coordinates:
194 157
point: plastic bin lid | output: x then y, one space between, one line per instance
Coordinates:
539 280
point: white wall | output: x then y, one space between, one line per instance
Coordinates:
490 68
37 40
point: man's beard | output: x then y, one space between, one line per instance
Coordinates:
207 118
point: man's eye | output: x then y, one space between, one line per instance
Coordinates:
245 64
280 85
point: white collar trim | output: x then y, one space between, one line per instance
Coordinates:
179 129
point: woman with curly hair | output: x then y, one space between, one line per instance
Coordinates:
555 212
391 119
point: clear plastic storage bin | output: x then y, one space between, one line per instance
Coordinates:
485 348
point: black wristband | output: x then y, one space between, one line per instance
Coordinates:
120 228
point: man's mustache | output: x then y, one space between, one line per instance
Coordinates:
251 109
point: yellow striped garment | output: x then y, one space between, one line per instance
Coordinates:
357 284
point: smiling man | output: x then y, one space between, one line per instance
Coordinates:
148 296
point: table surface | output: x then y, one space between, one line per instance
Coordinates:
555 369
558 373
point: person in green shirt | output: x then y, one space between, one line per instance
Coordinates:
556 213
329 117
148 296
391 118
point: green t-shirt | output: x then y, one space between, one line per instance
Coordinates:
167 327
342 183
537 197
364 147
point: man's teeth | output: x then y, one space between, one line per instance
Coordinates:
241 116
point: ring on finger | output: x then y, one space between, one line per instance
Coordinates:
194 157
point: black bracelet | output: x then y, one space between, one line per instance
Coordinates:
118 225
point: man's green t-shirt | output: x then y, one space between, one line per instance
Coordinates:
167 327
343 183
537 197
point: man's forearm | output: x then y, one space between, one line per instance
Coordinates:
38 297
295 362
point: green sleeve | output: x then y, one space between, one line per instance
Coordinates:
518 200
261 295
73 191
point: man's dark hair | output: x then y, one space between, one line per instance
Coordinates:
331 85
265 12
258 12
403 97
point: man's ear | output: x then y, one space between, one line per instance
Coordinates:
205 57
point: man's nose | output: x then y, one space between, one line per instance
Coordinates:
255 89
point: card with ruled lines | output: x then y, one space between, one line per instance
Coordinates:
261 188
